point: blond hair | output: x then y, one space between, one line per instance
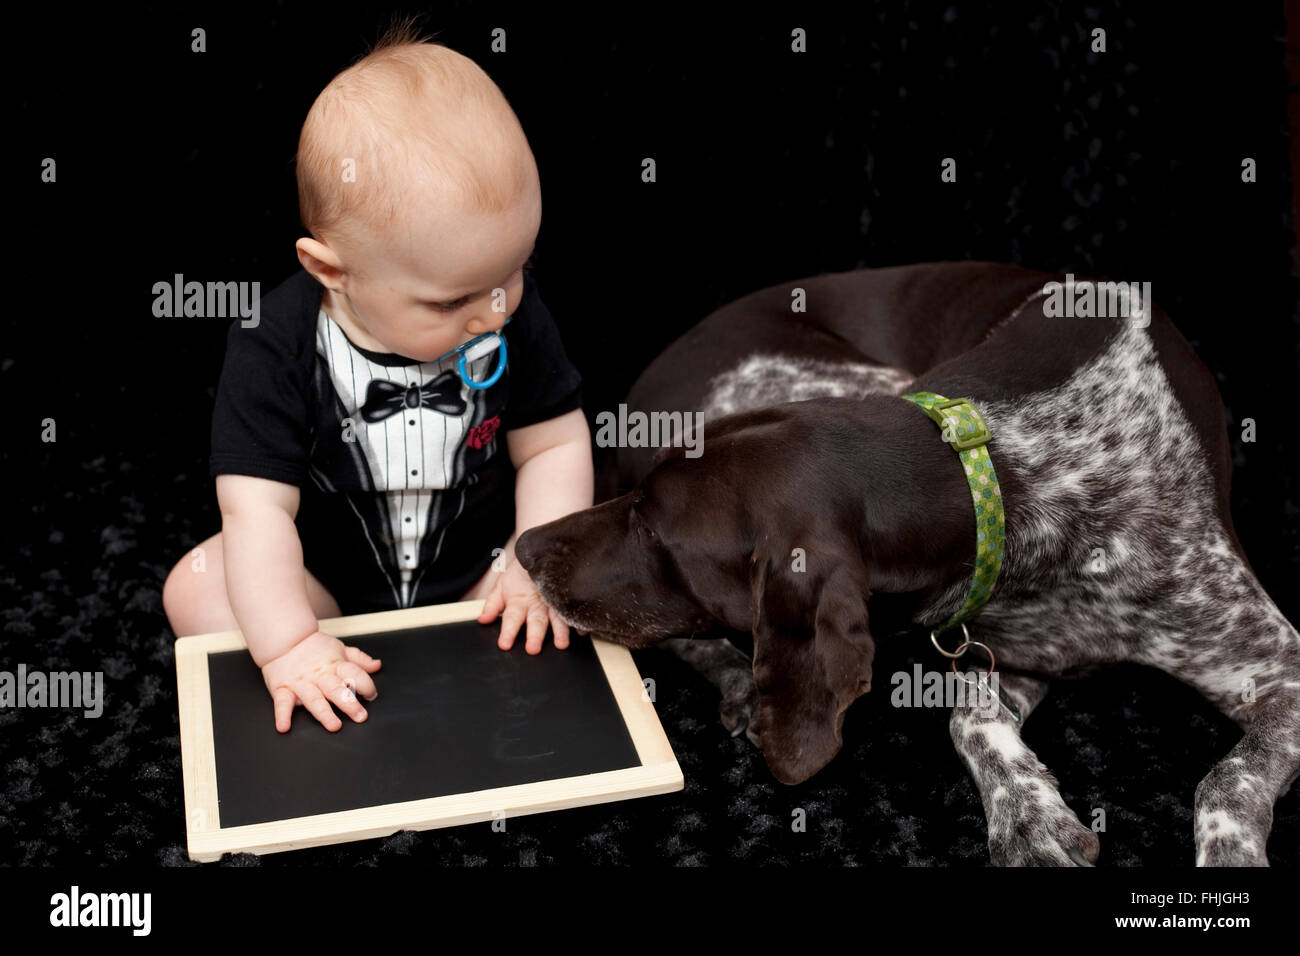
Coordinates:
410 112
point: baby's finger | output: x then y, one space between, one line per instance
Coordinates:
359 680
284 701
510 621
493 604
560 630
343 696
316 704
359 657
538 618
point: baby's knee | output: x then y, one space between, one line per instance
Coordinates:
179 596
194 583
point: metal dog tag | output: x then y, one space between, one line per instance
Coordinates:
1007 703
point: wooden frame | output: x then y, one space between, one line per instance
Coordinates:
207 840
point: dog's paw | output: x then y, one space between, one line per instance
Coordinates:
1230 852
1032 826
1233 839
1233 818
739 706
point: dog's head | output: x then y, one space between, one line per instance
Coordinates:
761 534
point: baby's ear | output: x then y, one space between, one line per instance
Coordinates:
812 656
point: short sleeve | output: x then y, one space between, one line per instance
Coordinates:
543 383
261 420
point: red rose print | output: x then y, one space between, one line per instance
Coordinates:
480 435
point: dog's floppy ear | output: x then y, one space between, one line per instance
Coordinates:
812 656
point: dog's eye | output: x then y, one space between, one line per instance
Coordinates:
641 525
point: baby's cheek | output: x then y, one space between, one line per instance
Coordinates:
514 294
512 299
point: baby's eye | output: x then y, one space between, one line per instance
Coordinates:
446 306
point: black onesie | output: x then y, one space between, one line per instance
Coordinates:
406 483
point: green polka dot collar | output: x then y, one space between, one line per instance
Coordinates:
965 429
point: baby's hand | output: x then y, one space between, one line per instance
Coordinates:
515 592
315 671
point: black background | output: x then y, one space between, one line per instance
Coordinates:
771 166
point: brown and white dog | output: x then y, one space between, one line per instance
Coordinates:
1110 447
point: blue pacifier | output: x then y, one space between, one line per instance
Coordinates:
476 348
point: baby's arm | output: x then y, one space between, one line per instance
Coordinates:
554 471
267 587
554 478
264 570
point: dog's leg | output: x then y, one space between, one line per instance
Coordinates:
728 669
1234 803
1029 824
1237 649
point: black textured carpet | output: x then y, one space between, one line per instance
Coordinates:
1127 165
1129 741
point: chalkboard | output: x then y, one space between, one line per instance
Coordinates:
461 731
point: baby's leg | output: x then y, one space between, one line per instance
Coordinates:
194 594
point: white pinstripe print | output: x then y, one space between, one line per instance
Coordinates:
413 455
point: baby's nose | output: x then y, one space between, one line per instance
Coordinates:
489 320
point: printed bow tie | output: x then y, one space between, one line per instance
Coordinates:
442 394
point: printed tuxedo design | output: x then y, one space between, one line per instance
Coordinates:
415 433
405 484
385 398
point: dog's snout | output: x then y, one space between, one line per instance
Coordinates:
537 546
528 548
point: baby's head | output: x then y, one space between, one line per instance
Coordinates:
421 195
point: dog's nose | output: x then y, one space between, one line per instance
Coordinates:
541 546
528 548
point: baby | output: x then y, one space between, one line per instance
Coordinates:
421 197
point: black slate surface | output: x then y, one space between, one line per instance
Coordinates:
456 715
